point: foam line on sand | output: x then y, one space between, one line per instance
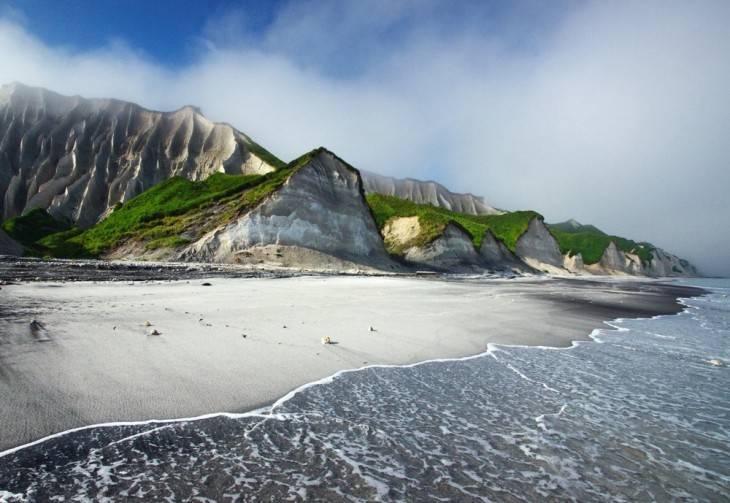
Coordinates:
237 345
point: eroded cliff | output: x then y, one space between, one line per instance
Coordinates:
426 193
539 249
79 157
452 251
320 210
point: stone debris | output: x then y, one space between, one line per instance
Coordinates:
371 329
326 340
147 324
154 332
38 331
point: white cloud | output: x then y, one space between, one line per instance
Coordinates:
614 113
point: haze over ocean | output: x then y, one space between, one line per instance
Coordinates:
612 113
639 414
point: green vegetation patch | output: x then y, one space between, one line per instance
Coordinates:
34 229
432 219
173 213
592 245
33 226
568 228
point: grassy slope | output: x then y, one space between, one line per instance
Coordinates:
433 220
592 245
32 227
569 229
591 242
168 214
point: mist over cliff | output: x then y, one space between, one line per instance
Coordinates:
102 177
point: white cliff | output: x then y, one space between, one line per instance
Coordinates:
539 249
426 193
616 262
319 212
78 157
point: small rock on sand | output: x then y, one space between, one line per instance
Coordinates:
326 340
371 329
154 332
38 331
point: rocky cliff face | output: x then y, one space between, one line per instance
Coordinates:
617 262
494 254
452 251
319 210
79 157
538 248
426 193
666 264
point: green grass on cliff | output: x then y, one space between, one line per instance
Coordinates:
592 245
588 240
432 219
171 213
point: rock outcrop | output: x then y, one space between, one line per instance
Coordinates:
574 264
665 264
426 193
452 251
319 211
617 262
494 254
539 249
9 246
79 157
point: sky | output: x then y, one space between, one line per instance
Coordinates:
614 113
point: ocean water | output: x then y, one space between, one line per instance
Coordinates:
638 415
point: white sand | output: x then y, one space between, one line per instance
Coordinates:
100 365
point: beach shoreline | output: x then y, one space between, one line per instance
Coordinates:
237 344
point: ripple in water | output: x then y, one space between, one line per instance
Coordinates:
640 416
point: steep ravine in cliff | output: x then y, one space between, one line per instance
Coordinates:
85 159
79 157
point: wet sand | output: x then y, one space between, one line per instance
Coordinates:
236 344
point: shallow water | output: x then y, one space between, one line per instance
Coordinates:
641 415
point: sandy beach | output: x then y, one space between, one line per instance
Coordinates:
232 345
